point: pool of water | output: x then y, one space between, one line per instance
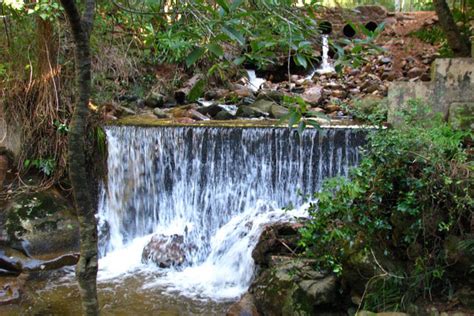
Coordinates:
58 294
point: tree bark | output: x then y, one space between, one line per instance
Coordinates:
460 45
86 269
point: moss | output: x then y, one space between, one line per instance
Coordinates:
34 207
151 121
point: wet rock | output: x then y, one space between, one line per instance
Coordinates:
313 95
224 115
210 110
276 96
320 290
244 307
250 112
263 105
53 264
43 223
278 111
293 286
9 266
165 251
280 239
159 113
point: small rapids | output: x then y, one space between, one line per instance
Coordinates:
217 187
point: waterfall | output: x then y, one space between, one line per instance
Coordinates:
254 82
326 66
217 187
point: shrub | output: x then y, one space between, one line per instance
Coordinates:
410 193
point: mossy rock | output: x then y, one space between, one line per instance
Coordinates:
43 222
293 288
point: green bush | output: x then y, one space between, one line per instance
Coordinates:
411 191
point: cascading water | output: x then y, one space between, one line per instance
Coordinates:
326 66
217 187
254 82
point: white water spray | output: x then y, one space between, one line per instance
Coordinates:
326 66
218 187
254 82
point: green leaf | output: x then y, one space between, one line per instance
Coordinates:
301 60
294 118
301 127
239 60
197 91
216 49
194 56
235 4
224 5
314 124
304 44
234 34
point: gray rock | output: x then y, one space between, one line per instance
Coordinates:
313 95
321 291
165 251
155 100
250 112
43 223
159 113
278 111
244 307
224 115
263 105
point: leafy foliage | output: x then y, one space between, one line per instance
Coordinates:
409 194
234 32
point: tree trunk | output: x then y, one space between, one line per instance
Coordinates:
460 45
86 269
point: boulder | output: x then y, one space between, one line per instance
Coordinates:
155 100
292 287
224 115
244 307
160 113
276 239
313 95
42 223
250 112
53 264
165 251
263 105
278 111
